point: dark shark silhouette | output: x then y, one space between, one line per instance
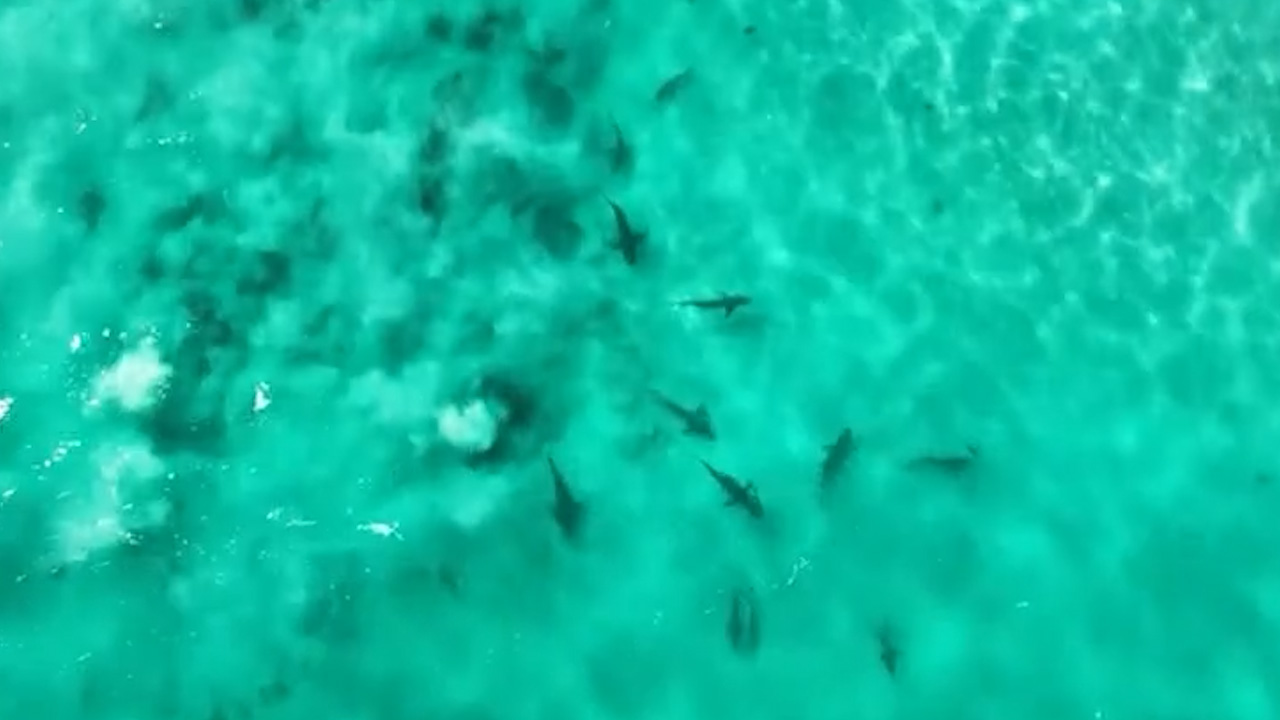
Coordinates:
673 86
621 157
737 492
697 421
629 239
728 302
948 464
567 510
837 456
890 654
743 625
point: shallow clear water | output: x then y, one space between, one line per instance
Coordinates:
298 296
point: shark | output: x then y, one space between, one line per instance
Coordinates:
697 421
743 625
737 492
629 239
837 456
673 86
621 157
567 510
728 302
890 653
949 464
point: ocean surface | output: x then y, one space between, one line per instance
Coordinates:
670 360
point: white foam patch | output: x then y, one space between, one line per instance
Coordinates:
105 515
472 427
135 381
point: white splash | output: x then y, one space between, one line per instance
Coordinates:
261 397
472 428
382 529
135 380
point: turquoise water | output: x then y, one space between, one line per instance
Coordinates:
298 296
